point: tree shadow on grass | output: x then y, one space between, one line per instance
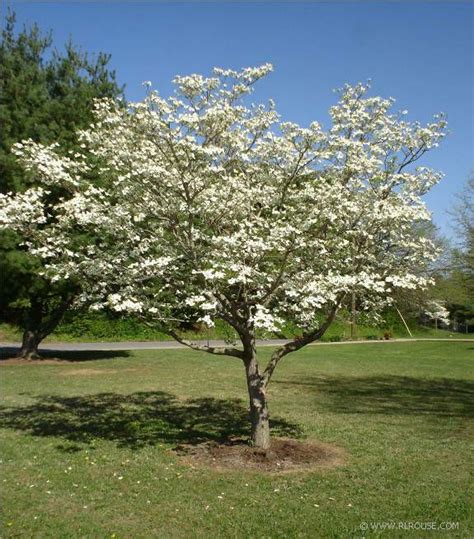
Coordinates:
64 355
136 420
391 395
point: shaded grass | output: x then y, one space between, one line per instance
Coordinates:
86 447
390 395
72 356
136 420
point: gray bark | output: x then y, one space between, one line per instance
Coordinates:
260 426
29 346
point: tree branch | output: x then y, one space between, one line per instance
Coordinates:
219 351
56 316
298 343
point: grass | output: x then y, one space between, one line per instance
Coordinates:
86 445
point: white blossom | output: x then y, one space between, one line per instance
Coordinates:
435 310
205 205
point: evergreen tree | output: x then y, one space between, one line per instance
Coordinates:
45 95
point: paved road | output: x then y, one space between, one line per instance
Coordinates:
12 347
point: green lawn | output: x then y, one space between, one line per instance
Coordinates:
86 445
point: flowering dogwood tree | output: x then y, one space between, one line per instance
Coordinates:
436 311
207 207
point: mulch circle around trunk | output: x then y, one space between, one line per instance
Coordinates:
284 455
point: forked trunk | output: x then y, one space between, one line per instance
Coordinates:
260 433
29 346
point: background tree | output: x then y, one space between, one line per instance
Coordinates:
457 285
463 214
415 304
45 96
218 210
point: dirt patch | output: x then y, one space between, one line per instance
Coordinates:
90 372
66 372
284 456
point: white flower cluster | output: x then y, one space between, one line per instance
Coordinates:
435 310
202 204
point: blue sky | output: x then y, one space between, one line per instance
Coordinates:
420 53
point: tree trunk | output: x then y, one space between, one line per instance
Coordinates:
260 433
259 419
29 347
38 325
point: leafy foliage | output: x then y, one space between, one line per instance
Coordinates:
45 96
